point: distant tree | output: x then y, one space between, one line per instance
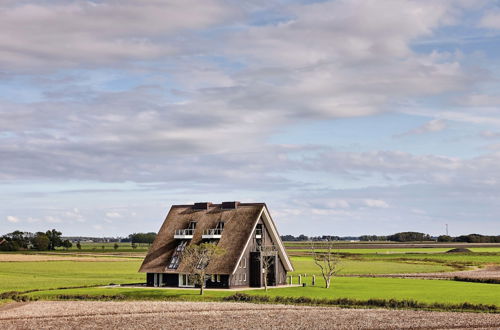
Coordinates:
302 238
116 246
40 241
54 238
102 247
66 244
78 245
134 246
445 238
327 261
15 241
409 236
142 237
196 257
477 238
288 238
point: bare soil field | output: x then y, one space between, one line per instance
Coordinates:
489 272
189 315
48 257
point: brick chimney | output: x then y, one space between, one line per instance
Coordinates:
230 205
202 205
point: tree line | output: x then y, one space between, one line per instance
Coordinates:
408 236
41 241
140 238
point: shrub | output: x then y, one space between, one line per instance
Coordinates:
347 302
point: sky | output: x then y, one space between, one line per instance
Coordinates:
345 117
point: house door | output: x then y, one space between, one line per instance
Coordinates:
255 270
271 272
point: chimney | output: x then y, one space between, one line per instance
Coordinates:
202 205
230 205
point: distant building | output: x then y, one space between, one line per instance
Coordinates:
241 229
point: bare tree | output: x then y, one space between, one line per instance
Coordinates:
327 261
197 257
268 258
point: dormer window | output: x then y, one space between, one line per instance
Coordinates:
258 231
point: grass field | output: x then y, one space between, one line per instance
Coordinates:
305 265
48 276
22 276
429 291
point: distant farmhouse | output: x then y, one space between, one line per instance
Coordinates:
245 231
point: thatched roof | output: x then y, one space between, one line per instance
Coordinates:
238 222
238 226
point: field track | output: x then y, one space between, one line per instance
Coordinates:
188 315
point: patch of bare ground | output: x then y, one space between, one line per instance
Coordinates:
211 315
46 257
488 272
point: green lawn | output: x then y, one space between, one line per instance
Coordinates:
428 291
305 265
386 288
20 276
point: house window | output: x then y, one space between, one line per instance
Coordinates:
244 277
212 278
186 281
244 262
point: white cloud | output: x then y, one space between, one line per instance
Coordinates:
490 134
337 203
52 219
435 125
12 219
98 227
376 203
113 215
491 20
75 215
78 33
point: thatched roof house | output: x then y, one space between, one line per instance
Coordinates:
241 229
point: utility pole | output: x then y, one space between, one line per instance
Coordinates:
447 230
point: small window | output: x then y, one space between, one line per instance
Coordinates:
218 278
244 262
244 277
212 278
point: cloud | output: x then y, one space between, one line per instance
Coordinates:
75 215
435 125
376 203
98 227
490 134
55 34
52 219
12 219
491 20
113 215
